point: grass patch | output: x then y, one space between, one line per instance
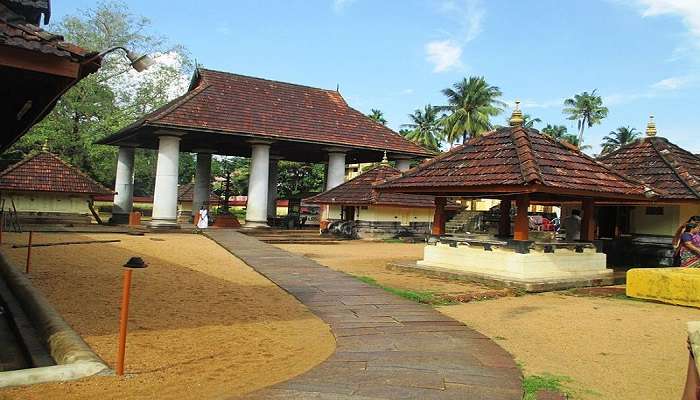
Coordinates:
417 296
533 384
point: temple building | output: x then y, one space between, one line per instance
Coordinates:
36 67
641 234
377 214
229 114
522 166
45 189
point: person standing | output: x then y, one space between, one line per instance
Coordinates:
572 226
203 222
689 250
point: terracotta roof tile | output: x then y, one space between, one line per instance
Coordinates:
660 164
31 37
360 191
516 157
45 172
237 104
186 192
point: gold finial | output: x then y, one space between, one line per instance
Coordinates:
385 160
651 127
516 119
45 146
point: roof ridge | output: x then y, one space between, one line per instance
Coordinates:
177 102
18 164
269 80
676 167
78 170
529 169
362 175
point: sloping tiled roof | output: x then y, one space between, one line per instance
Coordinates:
512 160
186 192
30 37
360 191
660 164
236 104
45 172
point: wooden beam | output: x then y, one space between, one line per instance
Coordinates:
504 222
522 222
588 220
38 62
439 216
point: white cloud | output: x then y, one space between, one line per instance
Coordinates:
466 16
674 83
444 55
339 5
688 10
167 68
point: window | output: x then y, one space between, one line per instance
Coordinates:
655 211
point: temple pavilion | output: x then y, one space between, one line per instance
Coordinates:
228 114
641 234
378 214
520 165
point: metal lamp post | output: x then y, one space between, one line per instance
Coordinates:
133 263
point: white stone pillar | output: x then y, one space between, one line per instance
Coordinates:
256 208
165 193
272 188
123 186
202 183
403 164
336 168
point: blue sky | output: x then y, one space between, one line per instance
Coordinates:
643 56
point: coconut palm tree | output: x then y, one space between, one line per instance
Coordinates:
377 115
472 103
529 121
555 131
424 128
587 109
621 136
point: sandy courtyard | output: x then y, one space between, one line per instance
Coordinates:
202 324
611 348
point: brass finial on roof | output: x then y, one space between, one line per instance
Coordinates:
651 127
385 160
516 119
45 146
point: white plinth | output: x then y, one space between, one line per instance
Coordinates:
506 265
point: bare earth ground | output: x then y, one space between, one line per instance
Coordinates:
202 324
612 348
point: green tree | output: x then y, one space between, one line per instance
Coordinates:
471 105
555 131
425 128
529 121
620 137
587 109
377 115
299 179
110 99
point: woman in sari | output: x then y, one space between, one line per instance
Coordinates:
690 251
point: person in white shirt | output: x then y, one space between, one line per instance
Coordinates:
572 226
203 222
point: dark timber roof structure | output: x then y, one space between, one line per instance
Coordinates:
45 172
660 164
36 67
222 111
517 160
360 191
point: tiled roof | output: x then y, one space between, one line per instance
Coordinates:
360 191
660 164
30 37
514 159
186 192
45 172
29 10
236 104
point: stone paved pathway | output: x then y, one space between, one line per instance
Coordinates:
386 347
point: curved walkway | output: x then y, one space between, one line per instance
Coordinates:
387 347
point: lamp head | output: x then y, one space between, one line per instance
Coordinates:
139 62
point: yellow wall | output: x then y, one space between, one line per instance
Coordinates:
663 225
40 202
387 214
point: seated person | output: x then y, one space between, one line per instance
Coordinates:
689 250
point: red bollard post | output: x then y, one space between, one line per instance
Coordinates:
134 262
29 253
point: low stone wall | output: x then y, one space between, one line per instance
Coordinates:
390 229
679 286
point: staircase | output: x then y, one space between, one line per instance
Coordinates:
464 221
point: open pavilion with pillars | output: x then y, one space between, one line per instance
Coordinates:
235 115
520 165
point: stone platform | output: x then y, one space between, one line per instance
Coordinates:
679 286
387 347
